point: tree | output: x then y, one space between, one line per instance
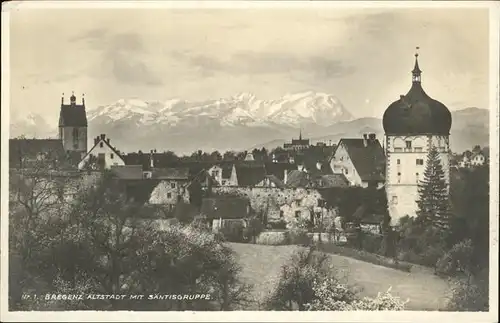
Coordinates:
229 155
433 203
215 156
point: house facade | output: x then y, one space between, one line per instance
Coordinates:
101 156
360 160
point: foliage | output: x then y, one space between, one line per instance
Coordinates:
331 295
471 294
309 283
458 260
433 201
295 285
100 246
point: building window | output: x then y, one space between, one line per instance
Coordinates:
398 161
282 214
408 144
416 175
169 195
297 214
420 161
346 171
101 144
215 173
399 178
111 155
172 185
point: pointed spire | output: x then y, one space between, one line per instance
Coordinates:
416 73
300 133
62 99
83 98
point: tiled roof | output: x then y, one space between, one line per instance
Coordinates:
369 161
127 172
297 178
171 173
278 169
273 179
225 207
72 116
250 173
22 151
333 180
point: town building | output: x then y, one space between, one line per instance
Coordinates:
413 124
101 156
360 160
297 144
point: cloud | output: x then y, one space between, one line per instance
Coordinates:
252 63
126 70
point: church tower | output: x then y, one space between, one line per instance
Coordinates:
73 125
412 125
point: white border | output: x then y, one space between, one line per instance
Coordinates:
407 316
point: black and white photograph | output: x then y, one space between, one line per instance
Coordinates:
250 160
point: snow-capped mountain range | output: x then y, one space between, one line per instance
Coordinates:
244 109
240 122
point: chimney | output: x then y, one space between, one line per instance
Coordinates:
365 140
103 136
96 140
285 176
107 140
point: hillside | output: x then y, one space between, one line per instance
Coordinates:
261 266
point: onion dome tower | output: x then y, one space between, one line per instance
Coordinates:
412 125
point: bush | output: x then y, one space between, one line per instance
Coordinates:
331 295
457 260
298 236
471 293
276 224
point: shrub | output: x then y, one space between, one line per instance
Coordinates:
331 295
277 224
299 237
457 260
470 293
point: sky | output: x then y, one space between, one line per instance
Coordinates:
362 56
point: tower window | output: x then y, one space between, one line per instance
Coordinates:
420 161
398 161
408 144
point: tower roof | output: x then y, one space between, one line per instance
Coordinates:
416 112
72 115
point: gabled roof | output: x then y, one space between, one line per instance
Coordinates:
369 161
72 115
105 142
171 173
225 207
22 151
250 173
333 180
